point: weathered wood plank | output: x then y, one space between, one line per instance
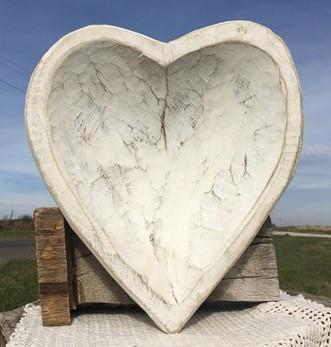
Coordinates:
259 260
69 275
92 283
253 278
246 289
52 262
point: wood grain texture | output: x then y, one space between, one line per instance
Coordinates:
254 278
52 260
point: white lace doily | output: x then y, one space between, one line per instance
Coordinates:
292 321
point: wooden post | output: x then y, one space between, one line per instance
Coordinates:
70 276
254 278
53 258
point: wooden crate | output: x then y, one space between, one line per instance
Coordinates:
70 277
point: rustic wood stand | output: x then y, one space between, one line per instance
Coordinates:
70 277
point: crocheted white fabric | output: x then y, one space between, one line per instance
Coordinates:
293 321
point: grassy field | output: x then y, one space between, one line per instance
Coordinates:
14 234
304 266
18 283
17 229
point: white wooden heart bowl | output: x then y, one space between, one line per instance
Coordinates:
166 158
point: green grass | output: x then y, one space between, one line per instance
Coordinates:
18 283
15 234
304 264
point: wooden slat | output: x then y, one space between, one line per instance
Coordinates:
255 289
69 275
253 278
92 283
52 260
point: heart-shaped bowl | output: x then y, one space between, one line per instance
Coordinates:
166 158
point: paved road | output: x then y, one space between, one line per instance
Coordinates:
297 234
16 249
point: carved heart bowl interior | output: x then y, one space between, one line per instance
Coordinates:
166 158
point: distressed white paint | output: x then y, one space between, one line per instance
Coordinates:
166 157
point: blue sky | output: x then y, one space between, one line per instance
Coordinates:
29 28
